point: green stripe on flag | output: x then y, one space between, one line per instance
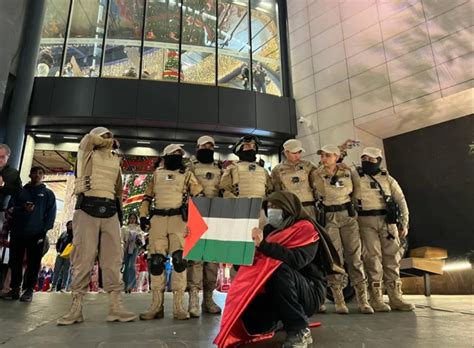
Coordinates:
235 252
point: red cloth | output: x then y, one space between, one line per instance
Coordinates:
250 281
142 264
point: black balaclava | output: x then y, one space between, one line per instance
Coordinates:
371 168
173 162
247 156
205 155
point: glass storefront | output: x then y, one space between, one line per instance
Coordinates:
228 43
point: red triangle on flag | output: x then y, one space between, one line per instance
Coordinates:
196 226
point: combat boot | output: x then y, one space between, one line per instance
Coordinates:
117 312
156 310
396 302
361 292
193 309
75 312
341 307
178 310
208 304
376 298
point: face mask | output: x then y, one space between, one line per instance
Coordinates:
205 155
173 162
371 168
248 156
275 217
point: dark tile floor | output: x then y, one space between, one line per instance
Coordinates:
439 321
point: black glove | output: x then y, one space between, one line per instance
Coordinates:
144 223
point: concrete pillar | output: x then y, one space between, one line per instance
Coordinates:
17 117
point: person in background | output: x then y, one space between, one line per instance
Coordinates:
62 264
142 272
34 212
132 239
10 185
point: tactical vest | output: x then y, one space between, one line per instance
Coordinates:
105 168
296 180
209 176
169 188
369 193
252 179
336 194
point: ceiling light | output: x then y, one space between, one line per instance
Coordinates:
70 137
216 146
43 135
230 146
143 142
180 144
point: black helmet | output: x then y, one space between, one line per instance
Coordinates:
246 139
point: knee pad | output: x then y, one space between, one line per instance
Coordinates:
156 264
179 263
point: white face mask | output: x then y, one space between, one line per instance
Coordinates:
275 217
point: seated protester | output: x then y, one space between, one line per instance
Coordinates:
286 282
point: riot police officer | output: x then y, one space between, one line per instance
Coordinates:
170 188
98 188
334 185
203 275
293 174
383 220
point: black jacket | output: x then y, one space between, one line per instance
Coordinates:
304 259
12 186
63 241
41 219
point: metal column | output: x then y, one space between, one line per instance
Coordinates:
18 114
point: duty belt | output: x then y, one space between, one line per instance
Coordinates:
379 212
335 208
167 212
308 204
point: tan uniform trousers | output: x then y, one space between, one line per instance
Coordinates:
202 275
344 233
88 232
166 237
381 255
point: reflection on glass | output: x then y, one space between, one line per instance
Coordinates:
233 45
198 51
124 39
246 41
266 63
52 38
84 43
161 42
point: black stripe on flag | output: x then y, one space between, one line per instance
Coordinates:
231 208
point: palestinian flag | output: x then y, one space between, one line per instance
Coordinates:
220 230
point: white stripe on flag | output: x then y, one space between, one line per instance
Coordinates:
232 230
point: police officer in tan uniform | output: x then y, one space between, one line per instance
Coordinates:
334 185
170 188
293 174
381 229
98 188
246 178
203 275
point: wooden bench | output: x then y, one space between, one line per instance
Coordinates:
424 262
